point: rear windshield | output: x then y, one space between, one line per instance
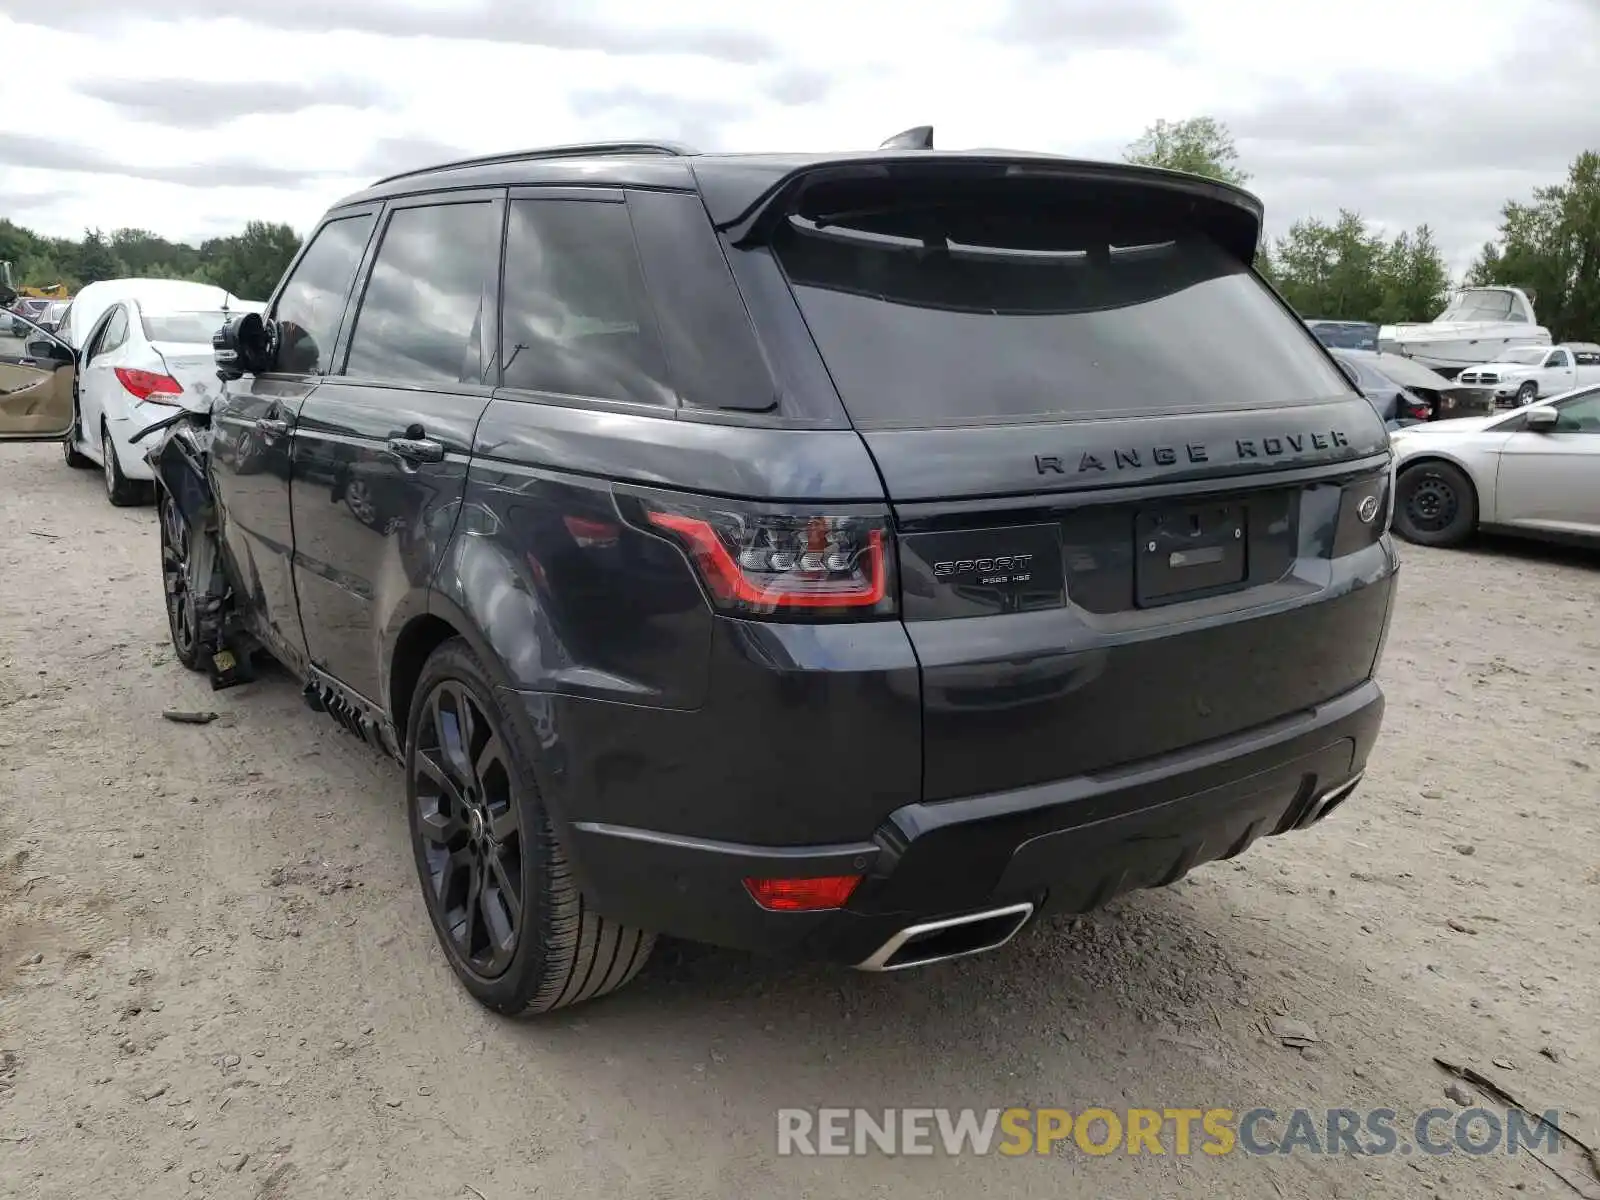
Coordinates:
183 327
941 317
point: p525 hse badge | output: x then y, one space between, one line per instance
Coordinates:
1002 568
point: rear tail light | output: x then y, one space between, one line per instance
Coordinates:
148 386
793 563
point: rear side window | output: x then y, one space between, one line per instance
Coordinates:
116 330
422 314
183 327
956 314
312 302
577 318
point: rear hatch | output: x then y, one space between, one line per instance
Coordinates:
1124 476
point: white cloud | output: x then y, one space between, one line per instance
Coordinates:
167 118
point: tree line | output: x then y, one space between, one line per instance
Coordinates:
248 264
1338 268
1342 269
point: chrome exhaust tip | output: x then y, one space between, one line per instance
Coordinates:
951 937
1332 798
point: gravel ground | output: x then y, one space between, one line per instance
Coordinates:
217 977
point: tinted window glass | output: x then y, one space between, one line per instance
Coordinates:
955 318
312 302
1347 335
577 317
421 315
183 327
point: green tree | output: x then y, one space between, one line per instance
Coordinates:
95 260
251 263
1551 247
1344 271
1198 145
1414 279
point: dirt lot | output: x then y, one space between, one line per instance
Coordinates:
217 977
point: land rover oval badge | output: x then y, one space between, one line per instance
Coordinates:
1368 509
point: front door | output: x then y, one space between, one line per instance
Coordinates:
254 422
36 372
1551 481
381 448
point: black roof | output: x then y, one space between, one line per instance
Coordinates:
733 185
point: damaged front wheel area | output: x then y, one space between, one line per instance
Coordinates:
183 618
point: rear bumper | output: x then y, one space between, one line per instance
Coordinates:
1067 846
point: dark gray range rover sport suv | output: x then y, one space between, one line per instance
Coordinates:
846 556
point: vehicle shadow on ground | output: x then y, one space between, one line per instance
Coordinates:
1530 551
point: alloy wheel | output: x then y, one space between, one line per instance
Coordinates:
469 828
175 575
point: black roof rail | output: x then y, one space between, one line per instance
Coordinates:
576 150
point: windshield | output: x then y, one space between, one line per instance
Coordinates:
183 327
1029 315
1476 305
1532 356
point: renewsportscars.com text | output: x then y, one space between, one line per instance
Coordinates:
1162 1131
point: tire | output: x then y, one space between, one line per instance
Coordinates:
120 490
561 951
1435 505
69 451
1527 394
183 620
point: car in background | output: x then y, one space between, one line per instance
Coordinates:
1533 472
1344 335
1441 398
148 353
24 313
1394 404
1525 373
49 318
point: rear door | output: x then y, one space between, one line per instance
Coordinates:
382 446
256 414
1123 474
97 381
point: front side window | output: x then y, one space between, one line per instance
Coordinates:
1581 414
577 319
1558 359
422 314
312 302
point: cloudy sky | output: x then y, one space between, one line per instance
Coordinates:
164 115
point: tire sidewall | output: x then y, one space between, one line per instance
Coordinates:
1527 394
191 658
508 992
1465 520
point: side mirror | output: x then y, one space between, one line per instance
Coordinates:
1542 420
51 349
246 345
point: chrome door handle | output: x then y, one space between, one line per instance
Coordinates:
417 450
272 427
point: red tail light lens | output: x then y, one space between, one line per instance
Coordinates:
147 386
758 560
802 895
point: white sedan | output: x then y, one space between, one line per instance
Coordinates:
1533 472
146 354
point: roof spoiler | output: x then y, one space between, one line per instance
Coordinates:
1230 215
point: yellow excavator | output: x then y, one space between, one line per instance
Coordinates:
10 292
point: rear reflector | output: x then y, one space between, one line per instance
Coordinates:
148 386
802 895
